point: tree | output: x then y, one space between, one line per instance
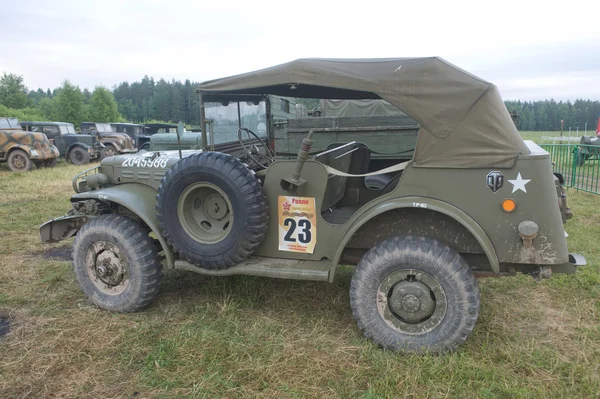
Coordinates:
68 104
103 107
13 92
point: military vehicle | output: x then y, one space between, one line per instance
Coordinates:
21 149
589 149
472 199
114 143
152 128
137 132
78 149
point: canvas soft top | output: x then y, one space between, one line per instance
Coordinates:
464 122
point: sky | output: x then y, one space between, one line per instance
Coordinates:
532 50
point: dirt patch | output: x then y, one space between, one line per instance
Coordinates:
59 253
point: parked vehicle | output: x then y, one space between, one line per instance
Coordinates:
78 149
137 132
21 149
417 243
114 143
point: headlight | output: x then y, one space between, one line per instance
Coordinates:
34 153
121 142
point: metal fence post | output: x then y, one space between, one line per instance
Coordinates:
574 167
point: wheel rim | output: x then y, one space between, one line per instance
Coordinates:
19 161
204 212
107 268
109 152
411 301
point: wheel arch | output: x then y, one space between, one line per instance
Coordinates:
420 203
76 144
140 200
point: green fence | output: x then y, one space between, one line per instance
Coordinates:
579 164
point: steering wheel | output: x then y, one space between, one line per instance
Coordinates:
254 152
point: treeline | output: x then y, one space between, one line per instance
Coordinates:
174 101
547 115
67 103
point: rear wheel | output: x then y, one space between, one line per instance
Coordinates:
116 263
79 156
19 161
414 294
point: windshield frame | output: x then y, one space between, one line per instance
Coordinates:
237 98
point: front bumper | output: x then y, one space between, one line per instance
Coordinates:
61 228
128 150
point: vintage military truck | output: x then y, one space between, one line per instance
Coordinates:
472 198
139 133
114 143
78 149
21 149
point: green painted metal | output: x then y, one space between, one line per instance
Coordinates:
578 163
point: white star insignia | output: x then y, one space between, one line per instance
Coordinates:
519 183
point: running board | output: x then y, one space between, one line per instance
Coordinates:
268 267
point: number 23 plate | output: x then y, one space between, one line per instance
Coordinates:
297 224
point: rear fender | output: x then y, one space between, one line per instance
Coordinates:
425 203
140 200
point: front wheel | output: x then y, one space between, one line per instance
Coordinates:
116 263
414 294
79 156
19 161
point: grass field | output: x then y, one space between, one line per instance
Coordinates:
247 337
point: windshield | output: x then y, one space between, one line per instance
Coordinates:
9 123
103 127
226 121
68 128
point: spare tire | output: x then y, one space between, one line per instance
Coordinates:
212 210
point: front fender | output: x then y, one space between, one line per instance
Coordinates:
113 143
78 144
425 203
139 199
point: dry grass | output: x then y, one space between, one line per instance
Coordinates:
247 337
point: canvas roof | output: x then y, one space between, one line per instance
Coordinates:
464 122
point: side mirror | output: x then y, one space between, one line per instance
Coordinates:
180 129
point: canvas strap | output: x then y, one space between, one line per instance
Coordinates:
395 168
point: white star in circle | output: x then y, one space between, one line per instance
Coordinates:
519 183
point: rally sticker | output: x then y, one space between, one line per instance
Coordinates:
297 224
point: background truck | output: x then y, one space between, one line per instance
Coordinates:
76 148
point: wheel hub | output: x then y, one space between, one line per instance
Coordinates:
107 268
411 301
205 213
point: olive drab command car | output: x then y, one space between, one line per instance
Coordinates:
76 148
470 199
21 150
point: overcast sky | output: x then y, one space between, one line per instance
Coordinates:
530 49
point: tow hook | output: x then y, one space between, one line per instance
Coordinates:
528 231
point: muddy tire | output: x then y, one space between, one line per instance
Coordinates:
414 294
79 156
212 210
117 264
19 161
